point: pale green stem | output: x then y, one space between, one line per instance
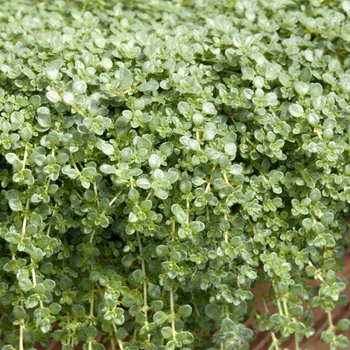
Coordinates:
274 340
330 320
115 198
24 226
296 340
225 178
21 337
172 311
285 306
120 344
96 194
143 267
34 284
112 344
92 236
25 156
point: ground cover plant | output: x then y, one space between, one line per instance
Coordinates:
160 158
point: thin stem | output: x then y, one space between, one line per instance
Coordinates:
149 195
285 306
34 284
76 168
115 198
120 344
225 178
330 320
274 340
25 156
21 337
188 209
92 235
49 227
280 311
92 301
319 134
96 194
296 340
24 225
143 267
197 137
225 233
112 344
172 313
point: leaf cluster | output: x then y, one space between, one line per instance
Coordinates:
159 158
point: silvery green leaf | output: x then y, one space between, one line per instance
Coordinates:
11 157
79 87
209 108
143 183
107 149
209 131
125 78
296 110
230 149
154 161
53 96
44 117
68 98
301 88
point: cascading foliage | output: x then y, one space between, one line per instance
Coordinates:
160 158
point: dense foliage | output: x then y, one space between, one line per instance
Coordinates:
159 158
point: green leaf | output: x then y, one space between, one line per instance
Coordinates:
79 311
185 337
143 182
53 96
79 87
160 317
68 98
107 149
343 324
296 110
213 311
44 118
230 149
209 132
166 332
151 85
160 193
19 312
341 341
108 169
15 203
121 333
227 325
124 77
55 308
91 332
184 311
327 336
28 72
301 88
25 284
185 109
209 108
154 161
65 283
7 347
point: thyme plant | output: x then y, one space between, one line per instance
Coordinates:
160 158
